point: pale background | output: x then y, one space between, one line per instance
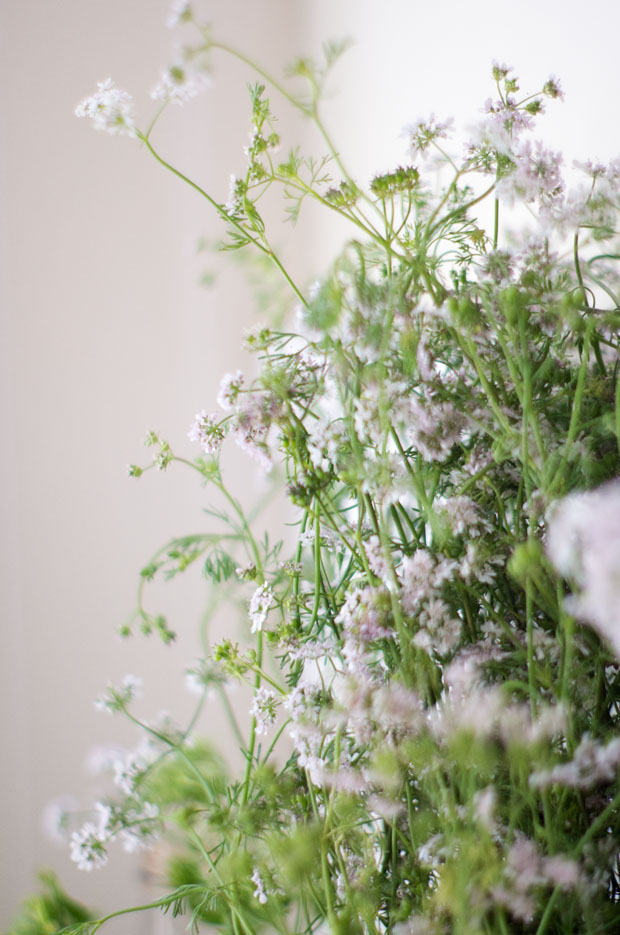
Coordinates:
106 331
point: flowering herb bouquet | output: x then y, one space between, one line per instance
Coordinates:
433 740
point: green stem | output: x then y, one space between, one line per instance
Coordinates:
230 219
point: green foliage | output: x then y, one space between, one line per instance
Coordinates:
49 911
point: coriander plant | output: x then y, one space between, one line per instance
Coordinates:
433 741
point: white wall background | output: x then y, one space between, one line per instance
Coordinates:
106 332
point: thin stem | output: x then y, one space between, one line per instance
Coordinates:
229 218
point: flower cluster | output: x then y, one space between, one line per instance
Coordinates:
109 108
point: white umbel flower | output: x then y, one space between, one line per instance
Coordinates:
88 849
261 601
178 84
583 543
109 108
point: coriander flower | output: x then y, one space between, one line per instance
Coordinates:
180 12
593 763
502 126
583 544
56 817
264 708
424 132
536 176
109 108
203 677
179 84
208 431
139 827
500 70
116 699
259 891
88 849
261 601
553 88
229 390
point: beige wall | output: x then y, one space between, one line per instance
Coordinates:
105 332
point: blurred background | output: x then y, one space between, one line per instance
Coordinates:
109 330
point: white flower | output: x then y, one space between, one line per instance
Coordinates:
261 601
264 709
140 827
116 699
88 847
127 770
462 514
109 108
583 543
56 817
592 763
180 12
230 387
259 892
423 132
179 84
376 559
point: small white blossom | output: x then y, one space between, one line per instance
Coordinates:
203 676
115 699
425 131
592 763
462 514
264 708
56 817
261 601
229 390
377 560
109 108
259 892
139 829
179 84
88 849
583 543
180 12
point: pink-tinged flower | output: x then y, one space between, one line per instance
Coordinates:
503 124
591 764
251 424
536 176
425 131
230 387
208 431
377 561
553 88
259 886
561 871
